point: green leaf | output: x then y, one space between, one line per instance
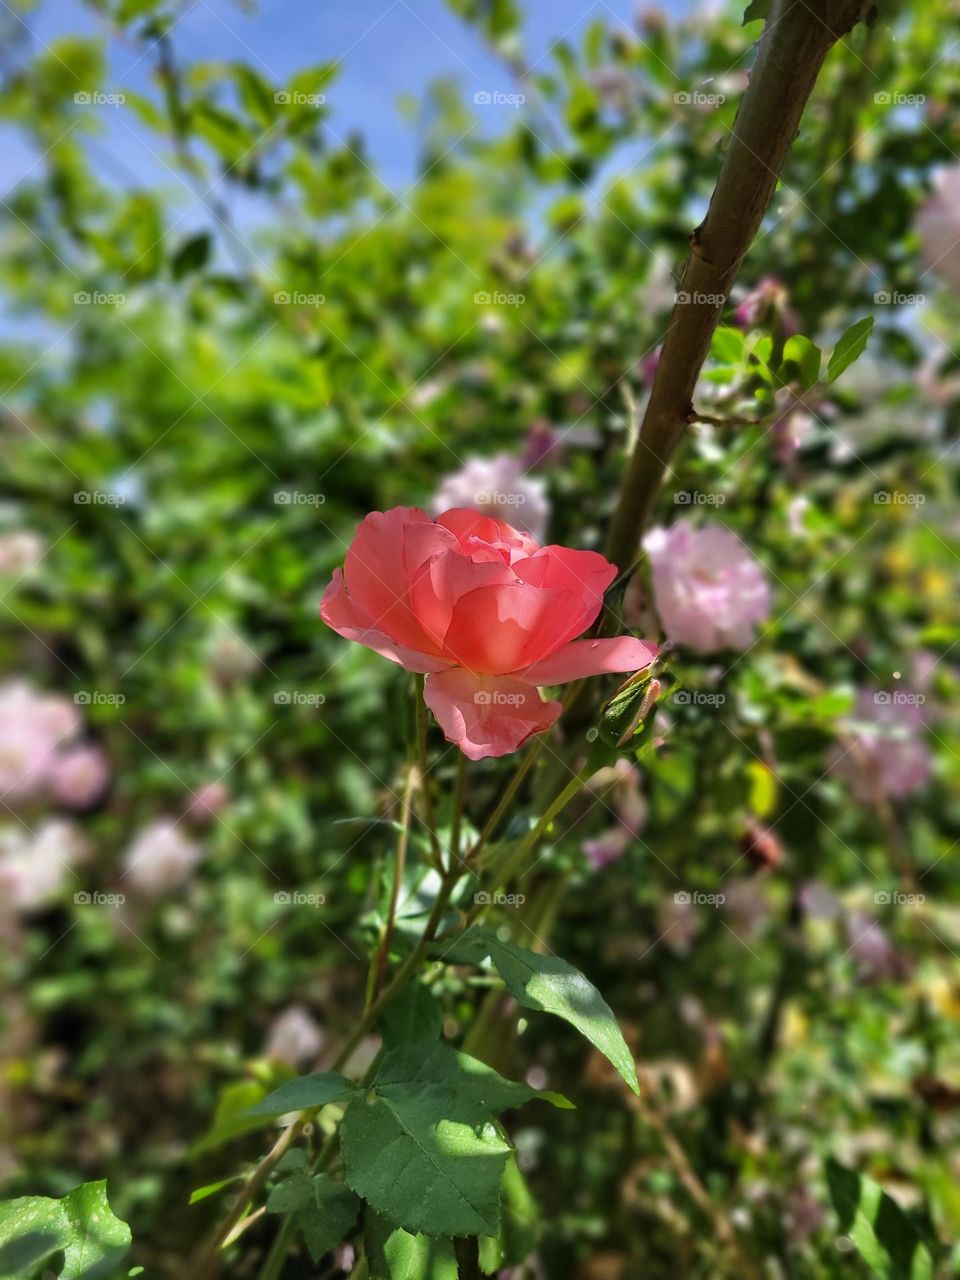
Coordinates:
882 1232
757 10
323 1210
420 1145
414 1015
850 347
395 1254
193 255
519 1224
805 356
82 1226
232 1117
210 1189
727 345
551 985
314 1090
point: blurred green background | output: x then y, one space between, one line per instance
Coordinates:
264 272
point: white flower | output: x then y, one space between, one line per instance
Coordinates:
33 867
295 1037
20 550
32 728
497 487
160 858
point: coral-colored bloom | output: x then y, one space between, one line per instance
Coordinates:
484 612
709 590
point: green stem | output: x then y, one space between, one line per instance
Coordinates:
273 1263
380 966
458 799
506 798
426 793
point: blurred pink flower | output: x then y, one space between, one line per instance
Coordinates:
885 752
709 591
208 800
294 1037
498 487
877 958
764 304
20 550
80 776
34 866
484 612
160 858
618 786
938 226
32 727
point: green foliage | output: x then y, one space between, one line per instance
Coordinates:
323 1210
395 1254
850 347
315 1090
80 1230
884 1236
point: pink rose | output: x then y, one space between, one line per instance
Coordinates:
708 589
484 612
80 776
885 753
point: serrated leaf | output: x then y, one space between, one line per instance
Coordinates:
414 1015
805 356
882 1232
82 1226
850 347
519 1224
395 1254
314 1090
323 1210
420 1144
551 985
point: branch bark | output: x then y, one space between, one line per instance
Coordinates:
796 39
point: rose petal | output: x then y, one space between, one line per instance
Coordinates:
591 658
339 612
487 716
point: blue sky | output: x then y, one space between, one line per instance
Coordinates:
388 48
